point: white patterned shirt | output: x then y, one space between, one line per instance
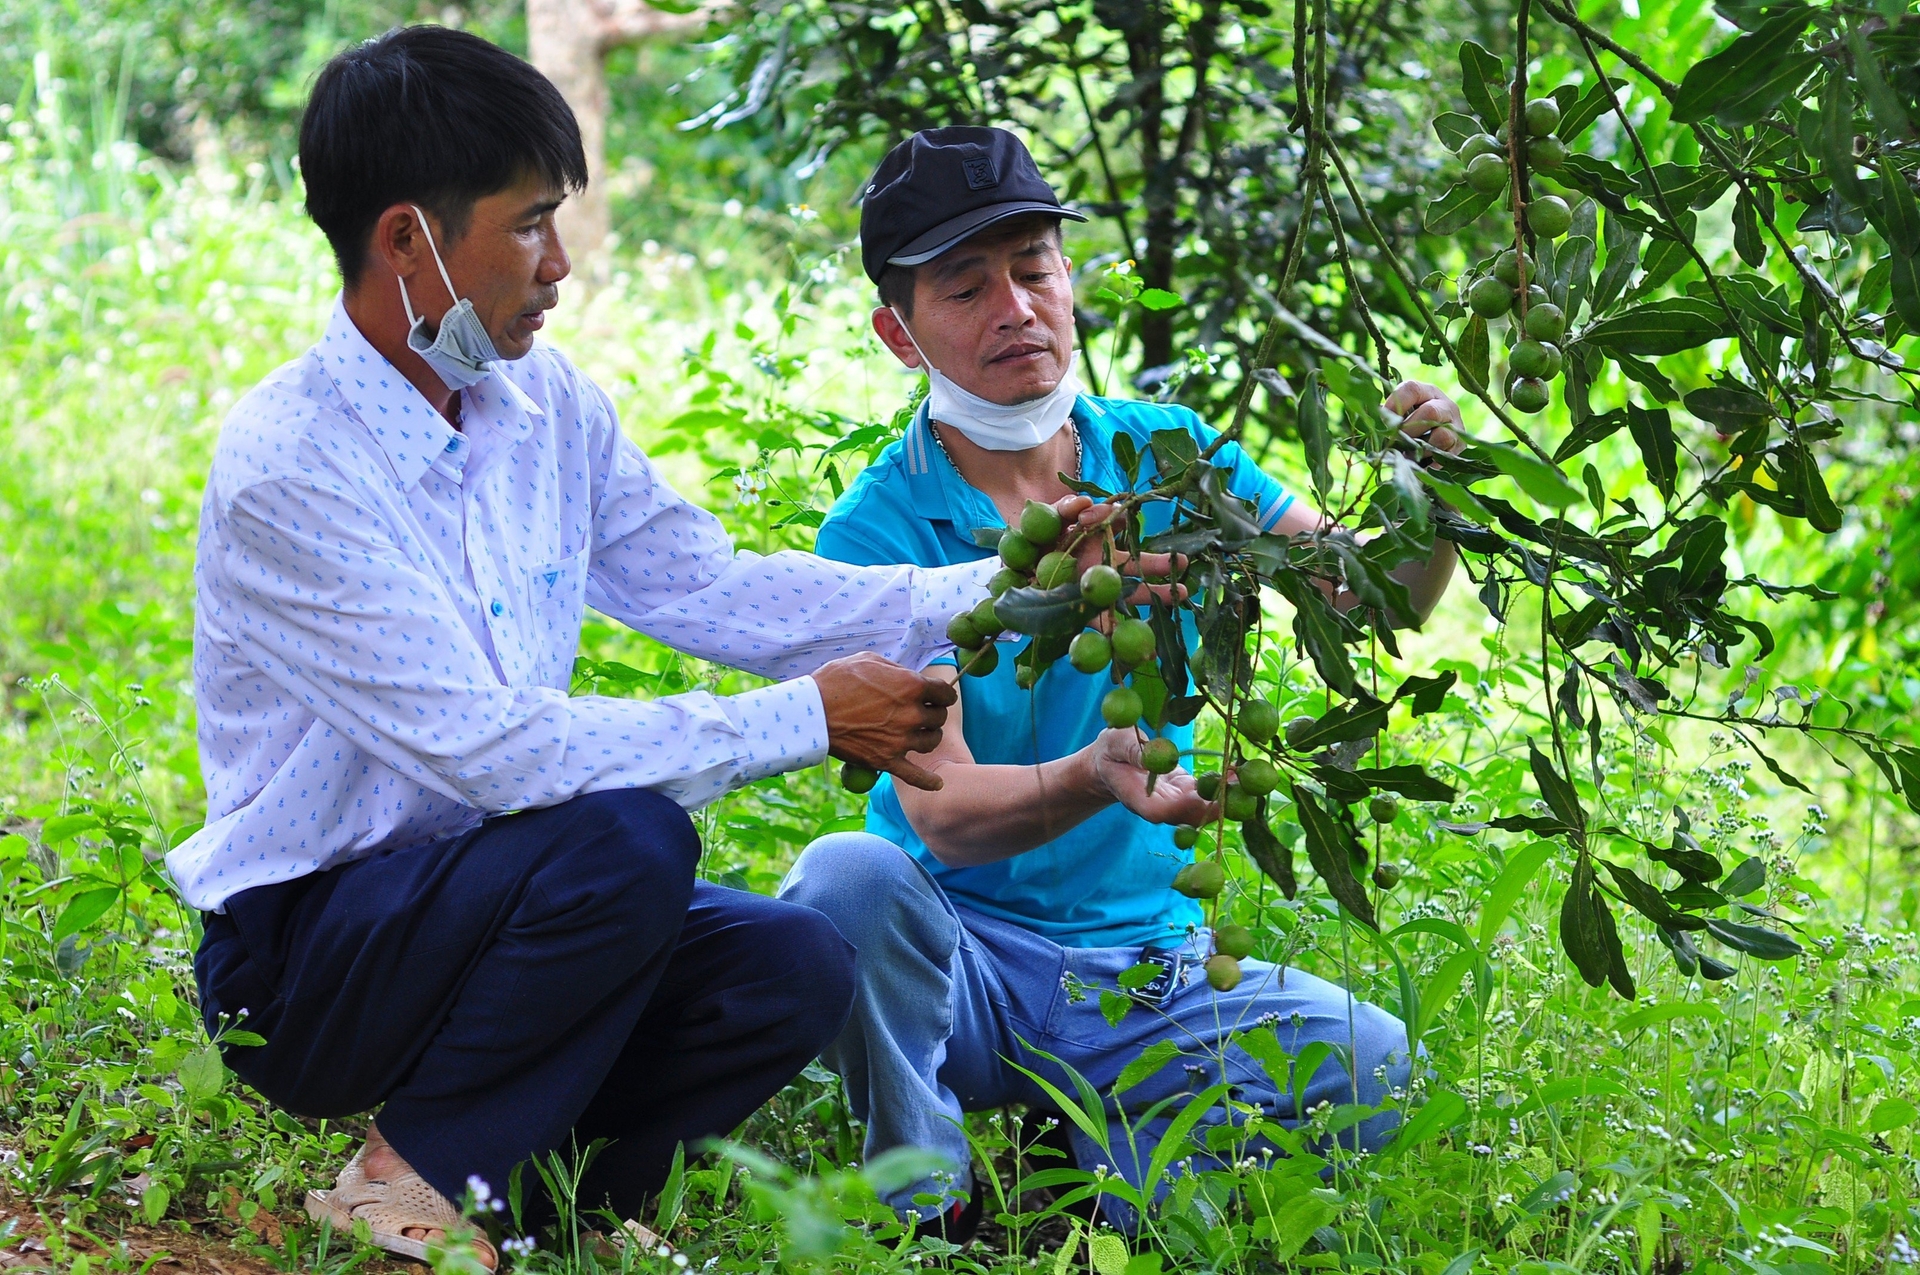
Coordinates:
388 610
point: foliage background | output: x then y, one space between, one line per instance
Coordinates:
155 263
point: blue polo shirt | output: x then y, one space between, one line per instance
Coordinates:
1107 881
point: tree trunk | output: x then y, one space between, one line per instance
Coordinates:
563 41
568 41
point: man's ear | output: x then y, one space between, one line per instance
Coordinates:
893 335
398 242
399 247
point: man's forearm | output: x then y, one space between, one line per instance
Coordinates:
988 813
1427 581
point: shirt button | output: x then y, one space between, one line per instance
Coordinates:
499 607
453 444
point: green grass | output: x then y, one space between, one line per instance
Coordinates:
1760 1124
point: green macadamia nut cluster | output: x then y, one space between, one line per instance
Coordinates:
1507 285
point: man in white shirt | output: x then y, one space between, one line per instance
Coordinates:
400 533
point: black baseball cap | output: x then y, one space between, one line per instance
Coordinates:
943 185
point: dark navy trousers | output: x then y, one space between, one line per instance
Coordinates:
550 978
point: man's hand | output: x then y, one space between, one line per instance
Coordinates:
878 712
1427 416
1085 536
1116 761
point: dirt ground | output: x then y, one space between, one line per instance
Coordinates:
176 1249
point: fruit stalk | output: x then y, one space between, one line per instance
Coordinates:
1517 134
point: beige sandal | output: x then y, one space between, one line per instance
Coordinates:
391 1208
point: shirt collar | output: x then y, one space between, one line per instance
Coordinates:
942 495
403 424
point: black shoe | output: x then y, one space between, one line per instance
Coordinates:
956 1224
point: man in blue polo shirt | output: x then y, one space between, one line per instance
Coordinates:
1043 866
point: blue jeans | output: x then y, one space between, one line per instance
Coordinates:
946 1000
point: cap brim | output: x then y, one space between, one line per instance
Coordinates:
967 224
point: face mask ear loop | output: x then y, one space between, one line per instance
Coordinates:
407 302
436 253
926 364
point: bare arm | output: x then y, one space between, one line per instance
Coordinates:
983 814
1435 419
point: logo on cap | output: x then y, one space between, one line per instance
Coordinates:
980 174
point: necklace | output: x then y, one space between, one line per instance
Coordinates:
1079 455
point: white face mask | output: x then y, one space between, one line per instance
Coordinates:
993 426
460 351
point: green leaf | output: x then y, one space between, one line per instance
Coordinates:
1560 795
1622 239
1580 927
202 1075
1831 129
1439 1113
1293 1223
1426 694
1042 612
1475 352
1587 433
1320 630
1410 781
1883 104
1891 1113
1755 940
61 829
1901 766
1512 882
1747 79
1646 900
1554 1191
1333 851
1107 1253
1359 394
1619 977
1274 856
83 910
1149 1064
1800 474
1899 219
1605 181
1310 417
1745 879
1534 476
1483 79
1652 431
1731 407
1667 1013
1458 207
1453 128
1357 719
1173 449
1747 239
1576 119
154 1200
1462 500
1905 283
1659 327
1159 299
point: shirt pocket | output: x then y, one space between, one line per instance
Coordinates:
557 592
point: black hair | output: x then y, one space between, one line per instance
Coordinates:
897 282
432 116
